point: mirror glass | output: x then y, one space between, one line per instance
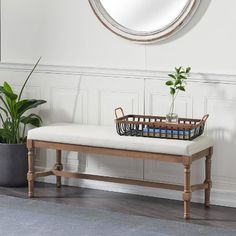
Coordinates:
144 20
144 15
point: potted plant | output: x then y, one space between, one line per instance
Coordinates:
15 117
176 83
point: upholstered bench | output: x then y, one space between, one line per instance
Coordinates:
105 141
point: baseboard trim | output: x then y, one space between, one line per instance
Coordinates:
218 197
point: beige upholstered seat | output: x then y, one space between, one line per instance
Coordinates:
105 136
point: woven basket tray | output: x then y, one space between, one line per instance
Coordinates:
157 127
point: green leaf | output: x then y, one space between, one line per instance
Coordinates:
188 70
182 88
172 91
5 133
12 109
24 105
178 81
7 87
32 119
178 69
169 83
5 104
10 101
172 76
182 77
4 110
10 95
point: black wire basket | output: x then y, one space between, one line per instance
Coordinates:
157 127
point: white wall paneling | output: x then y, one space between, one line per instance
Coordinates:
89 96
158 102
89 100
87 71
105 94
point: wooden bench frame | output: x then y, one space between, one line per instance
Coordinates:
186 161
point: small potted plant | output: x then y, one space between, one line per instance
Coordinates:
15 117
176 83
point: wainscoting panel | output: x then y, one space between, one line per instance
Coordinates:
157 103
61 112
106 94
219 101
90 95
223 129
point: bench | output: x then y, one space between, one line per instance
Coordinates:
105 141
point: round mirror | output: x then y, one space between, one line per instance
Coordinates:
144 20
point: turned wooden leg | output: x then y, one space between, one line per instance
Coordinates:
208 179
187 191
30 174
58 166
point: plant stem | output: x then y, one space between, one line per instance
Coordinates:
1 118
172 106
31 72
23 133
5 105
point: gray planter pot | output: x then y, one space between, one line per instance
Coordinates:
13 165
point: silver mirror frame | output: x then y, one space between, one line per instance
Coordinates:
153 36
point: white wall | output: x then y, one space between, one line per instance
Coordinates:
87 72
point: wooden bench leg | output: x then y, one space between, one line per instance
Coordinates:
208 179
30 174
58 166
187 191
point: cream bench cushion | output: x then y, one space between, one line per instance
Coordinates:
106 136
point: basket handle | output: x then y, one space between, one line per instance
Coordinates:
204 119
117 111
